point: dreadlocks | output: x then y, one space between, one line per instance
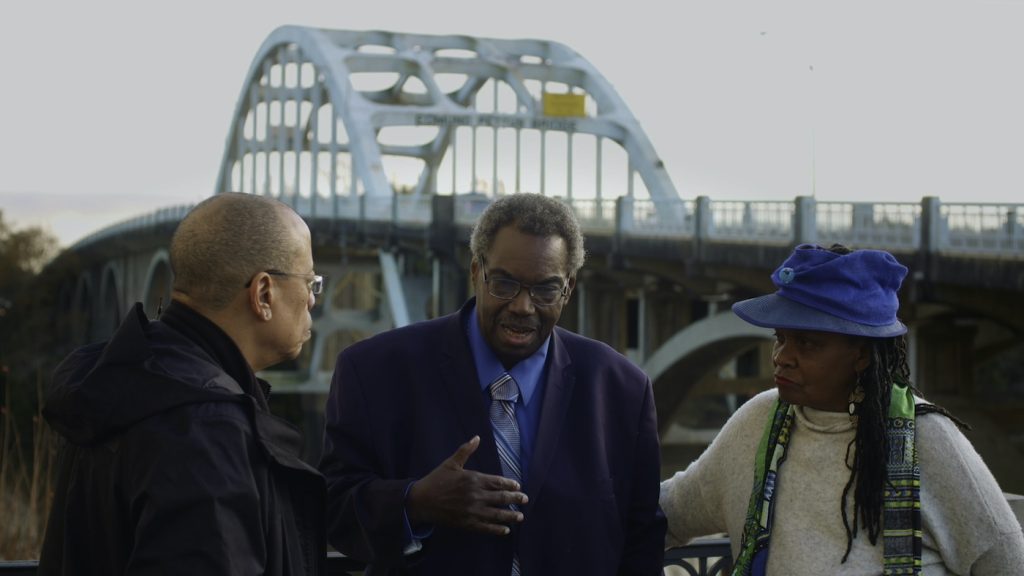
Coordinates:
871 443
868 472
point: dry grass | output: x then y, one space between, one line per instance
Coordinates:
26 481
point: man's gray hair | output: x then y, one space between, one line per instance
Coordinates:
224 241
533 214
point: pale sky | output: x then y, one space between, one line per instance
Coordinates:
113 109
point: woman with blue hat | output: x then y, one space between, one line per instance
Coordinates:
843 468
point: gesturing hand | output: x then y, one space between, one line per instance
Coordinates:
453 496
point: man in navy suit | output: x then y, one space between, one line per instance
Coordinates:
490 441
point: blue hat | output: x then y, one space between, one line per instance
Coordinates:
821 290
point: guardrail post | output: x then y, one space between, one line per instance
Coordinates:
805 223
623 219
931 243
1013 229
703 224
931 225
442 224
623 215
393 229
362 216
623 227
446 278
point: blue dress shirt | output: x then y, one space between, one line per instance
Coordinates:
528 374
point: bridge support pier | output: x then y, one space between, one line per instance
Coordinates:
448 281
448 287
944 351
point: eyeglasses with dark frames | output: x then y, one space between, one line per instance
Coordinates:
507 289
314 282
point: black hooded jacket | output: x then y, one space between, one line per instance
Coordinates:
173 466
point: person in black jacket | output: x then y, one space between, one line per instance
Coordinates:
173 463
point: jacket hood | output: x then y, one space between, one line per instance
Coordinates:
145 368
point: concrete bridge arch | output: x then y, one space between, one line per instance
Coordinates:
108 312
158 280
693 352
80 309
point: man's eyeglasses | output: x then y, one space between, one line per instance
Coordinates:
508 289
314 282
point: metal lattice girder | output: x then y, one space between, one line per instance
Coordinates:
306 103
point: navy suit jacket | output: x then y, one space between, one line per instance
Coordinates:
403 401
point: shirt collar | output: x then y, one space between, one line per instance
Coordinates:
527 372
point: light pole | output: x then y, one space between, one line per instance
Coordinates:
814 100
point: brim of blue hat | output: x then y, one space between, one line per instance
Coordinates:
774 311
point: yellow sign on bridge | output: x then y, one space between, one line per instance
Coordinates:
563 104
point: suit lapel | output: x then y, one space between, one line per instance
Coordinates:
561 378
459 374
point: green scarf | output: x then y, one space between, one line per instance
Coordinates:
901 530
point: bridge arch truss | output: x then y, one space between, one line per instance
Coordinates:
330 116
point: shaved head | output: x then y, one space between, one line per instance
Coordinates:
225 240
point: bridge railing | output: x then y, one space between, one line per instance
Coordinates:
893 225
753 221
703 557
990 230
995 230
595 214
147 220
657 218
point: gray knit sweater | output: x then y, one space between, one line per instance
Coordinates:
968 526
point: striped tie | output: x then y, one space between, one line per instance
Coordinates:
504 393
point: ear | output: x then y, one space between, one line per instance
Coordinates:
572 286
261 296
474 271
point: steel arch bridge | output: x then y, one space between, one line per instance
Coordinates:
390 145
328 119
371 125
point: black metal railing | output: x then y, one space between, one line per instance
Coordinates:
706 557
703 558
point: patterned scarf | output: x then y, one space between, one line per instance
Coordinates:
901 530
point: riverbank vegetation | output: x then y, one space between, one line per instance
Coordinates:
27 354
